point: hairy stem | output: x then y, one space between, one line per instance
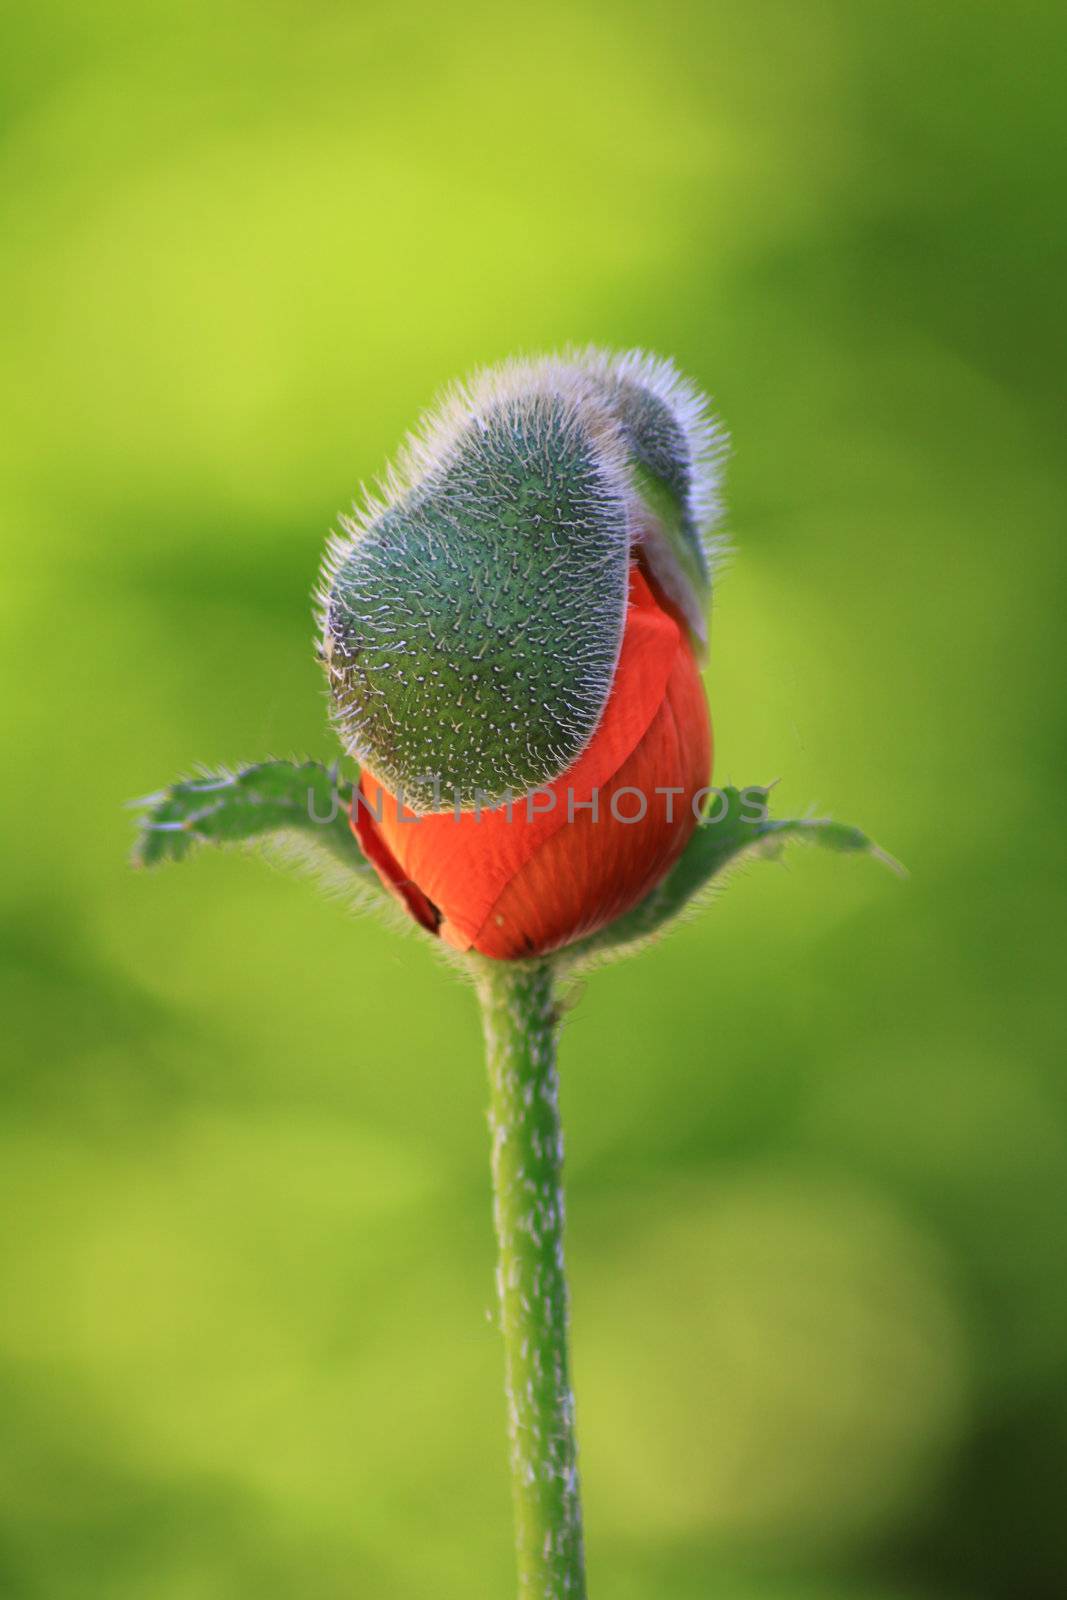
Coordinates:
520 1018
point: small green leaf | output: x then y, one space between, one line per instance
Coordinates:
303 799
736 826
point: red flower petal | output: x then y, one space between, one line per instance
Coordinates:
589 873
389 869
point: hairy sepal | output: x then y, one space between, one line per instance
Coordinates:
472 627
472 614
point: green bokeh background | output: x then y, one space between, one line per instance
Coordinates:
817 1151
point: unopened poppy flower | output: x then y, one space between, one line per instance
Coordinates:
512 636
512 640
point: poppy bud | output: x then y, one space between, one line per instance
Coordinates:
511 641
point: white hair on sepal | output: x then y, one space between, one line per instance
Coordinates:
524 383
430 523
707 441
580 375
658 453
577 375
707 438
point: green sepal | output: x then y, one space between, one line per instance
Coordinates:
305 802
473 627
732 830
662 471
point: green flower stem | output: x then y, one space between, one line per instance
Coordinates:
520 1015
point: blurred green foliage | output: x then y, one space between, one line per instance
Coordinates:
817 1142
